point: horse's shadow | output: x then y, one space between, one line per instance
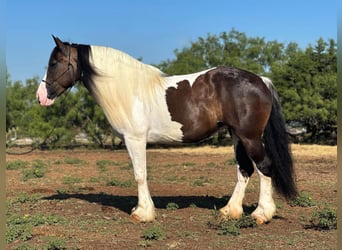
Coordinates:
126 203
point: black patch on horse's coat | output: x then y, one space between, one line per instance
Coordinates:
86 69
245 163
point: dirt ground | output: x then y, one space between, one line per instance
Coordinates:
93 192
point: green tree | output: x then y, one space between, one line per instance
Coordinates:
230 49
306 83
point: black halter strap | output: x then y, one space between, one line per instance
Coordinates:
64 72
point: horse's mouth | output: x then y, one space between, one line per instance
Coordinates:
42 96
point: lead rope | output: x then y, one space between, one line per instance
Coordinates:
39 145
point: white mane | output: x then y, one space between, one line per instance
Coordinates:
120 80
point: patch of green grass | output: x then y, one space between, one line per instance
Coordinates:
323 219
55 243
201 182
37 170
71 180
211 164
57 162
303 200
118 183
170 165
24 197
198 183
25 246
175 178
21 226
189 164
102 164
231 162
188 234
153 233
231 226
74 161
94 179
16 164
126 166
172 206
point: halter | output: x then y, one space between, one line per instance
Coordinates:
64 72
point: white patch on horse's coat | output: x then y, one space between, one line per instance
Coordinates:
266 206
120 80
268 82
171 81
234 206
41 94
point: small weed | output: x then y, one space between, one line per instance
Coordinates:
189 164
71 180
231 162
172 206
24 197
211 164
94 179
198 183
16 164
175 178
57 162
74 161
153 233
201 182
324 219
25 246
170 165
55 243
18 231
188 234
37 170
232 226
102 164
303 200
127 166
118 183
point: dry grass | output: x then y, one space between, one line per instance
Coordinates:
297 150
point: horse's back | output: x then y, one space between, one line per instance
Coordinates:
203 101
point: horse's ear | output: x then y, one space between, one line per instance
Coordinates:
60 44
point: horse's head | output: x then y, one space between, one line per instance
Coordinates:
61 74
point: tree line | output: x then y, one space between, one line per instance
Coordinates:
305 79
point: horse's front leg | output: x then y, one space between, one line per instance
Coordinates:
144 211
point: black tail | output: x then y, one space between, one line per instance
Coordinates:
278 150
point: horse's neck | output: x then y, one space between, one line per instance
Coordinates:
120 80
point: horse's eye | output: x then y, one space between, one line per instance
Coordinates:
53 63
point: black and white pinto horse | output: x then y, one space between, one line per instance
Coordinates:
143 105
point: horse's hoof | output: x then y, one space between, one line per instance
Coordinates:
221 217
229 213
136 218
260 219
140 215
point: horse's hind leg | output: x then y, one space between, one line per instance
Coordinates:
245 169
266 206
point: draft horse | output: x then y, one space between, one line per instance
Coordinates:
144 105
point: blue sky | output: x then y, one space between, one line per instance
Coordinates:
153 29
